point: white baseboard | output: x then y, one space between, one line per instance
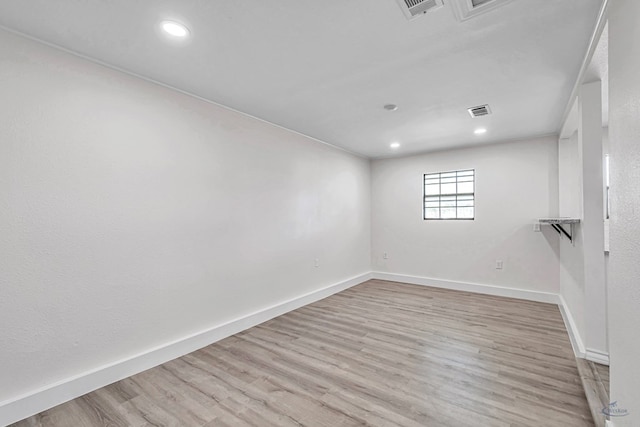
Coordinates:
597 356
477 288
572 329
54 394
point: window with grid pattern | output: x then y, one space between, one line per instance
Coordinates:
449 195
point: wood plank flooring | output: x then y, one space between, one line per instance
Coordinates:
595 382
379 354
603 373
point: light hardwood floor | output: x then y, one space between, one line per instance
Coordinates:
380 354
595 382
603 373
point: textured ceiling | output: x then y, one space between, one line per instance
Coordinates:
325 69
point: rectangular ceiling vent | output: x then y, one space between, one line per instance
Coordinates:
414 8
476 3
467 9
479 111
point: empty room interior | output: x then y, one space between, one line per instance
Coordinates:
343 213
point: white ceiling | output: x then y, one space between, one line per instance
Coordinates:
326 68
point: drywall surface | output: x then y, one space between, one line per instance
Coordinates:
581 193
572 253
516 183
591 143
624 268
132 215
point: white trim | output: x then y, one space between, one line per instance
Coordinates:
597 356
477 288
51 395
572 329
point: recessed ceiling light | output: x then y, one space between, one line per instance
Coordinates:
480 131
395 145
175 29
391 107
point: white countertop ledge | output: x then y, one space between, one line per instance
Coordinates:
559 220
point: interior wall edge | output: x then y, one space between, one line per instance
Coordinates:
52 395
572 329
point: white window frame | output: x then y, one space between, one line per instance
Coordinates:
458 197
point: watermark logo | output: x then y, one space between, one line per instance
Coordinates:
613 410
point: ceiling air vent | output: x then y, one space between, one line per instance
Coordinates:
413 8
479 111
476 3
466 9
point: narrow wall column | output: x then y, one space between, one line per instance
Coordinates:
590 141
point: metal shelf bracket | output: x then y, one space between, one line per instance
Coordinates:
557 224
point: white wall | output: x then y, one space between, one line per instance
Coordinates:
132 215
624 265
581 193
592 226
516 183
572 253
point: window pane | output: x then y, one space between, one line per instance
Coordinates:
448 188
430 190
448 200
465 201
465 213
449 195
432 213
465 187
448 213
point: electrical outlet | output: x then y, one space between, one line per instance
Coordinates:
499 264
536 227
385 256
316 263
